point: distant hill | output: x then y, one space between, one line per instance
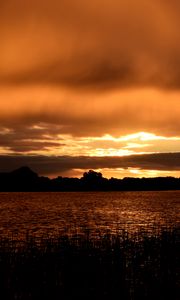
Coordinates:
24 179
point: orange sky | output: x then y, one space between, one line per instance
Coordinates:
92 80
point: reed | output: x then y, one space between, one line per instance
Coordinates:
80 266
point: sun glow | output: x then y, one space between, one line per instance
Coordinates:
107 145
141 136
110 152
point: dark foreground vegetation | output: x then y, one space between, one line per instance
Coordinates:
81 267
24 179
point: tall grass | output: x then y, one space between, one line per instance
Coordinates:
119 266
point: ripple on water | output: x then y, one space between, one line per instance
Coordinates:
57 213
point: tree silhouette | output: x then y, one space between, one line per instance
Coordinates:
92 175
24 179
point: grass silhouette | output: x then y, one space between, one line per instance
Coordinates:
118 266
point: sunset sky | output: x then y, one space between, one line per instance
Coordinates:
90 85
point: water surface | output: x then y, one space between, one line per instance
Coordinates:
54 213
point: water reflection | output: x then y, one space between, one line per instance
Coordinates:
58 213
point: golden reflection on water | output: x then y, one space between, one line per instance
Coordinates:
43 214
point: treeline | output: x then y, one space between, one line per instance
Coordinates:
24 179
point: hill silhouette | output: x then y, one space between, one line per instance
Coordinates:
24 179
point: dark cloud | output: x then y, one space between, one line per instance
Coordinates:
94 44
48 165
28 139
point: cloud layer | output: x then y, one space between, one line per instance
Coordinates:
74 70
94 44
58 165
83 114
